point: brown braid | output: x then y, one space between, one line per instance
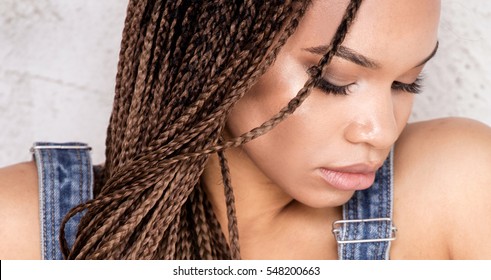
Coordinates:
183 65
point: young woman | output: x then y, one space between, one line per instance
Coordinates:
253 130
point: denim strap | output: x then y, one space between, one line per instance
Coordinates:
367 219
65 181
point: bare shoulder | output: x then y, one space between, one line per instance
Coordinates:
19 212
443 188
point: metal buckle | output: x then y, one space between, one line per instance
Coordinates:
76 147
336 230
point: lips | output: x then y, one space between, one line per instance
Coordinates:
350 178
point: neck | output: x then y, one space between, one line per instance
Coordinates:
258 201
265 213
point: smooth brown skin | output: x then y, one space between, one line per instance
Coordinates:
442 179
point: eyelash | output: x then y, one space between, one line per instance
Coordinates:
414 88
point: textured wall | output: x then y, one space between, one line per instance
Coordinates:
58 63
458 80
57 73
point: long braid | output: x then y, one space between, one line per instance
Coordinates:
230 202
183 65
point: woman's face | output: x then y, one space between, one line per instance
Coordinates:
333 143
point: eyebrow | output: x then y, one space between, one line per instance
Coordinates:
359 59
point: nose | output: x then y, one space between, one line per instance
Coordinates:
374 123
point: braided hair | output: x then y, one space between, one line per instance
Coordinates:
183 65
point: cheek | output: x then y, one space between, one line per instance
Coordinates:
289 157
289 154
282 155
267 97
403 105
294 139
263 101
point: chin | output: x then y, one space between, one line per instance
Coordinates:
331 199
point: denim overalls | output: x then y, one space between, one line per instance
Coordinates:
66 179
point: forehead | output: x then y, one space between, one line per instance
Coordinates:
384 30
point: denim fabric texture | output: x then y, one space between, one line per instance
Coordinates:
65 180
369 217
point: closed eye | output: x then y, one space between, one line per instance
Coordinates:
414 87
328 87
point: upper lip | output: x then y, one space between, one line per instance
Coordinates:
357 168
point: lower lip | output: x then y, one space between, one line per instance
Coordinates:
348 181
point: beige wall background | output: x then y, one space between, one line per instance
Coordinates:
58 63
